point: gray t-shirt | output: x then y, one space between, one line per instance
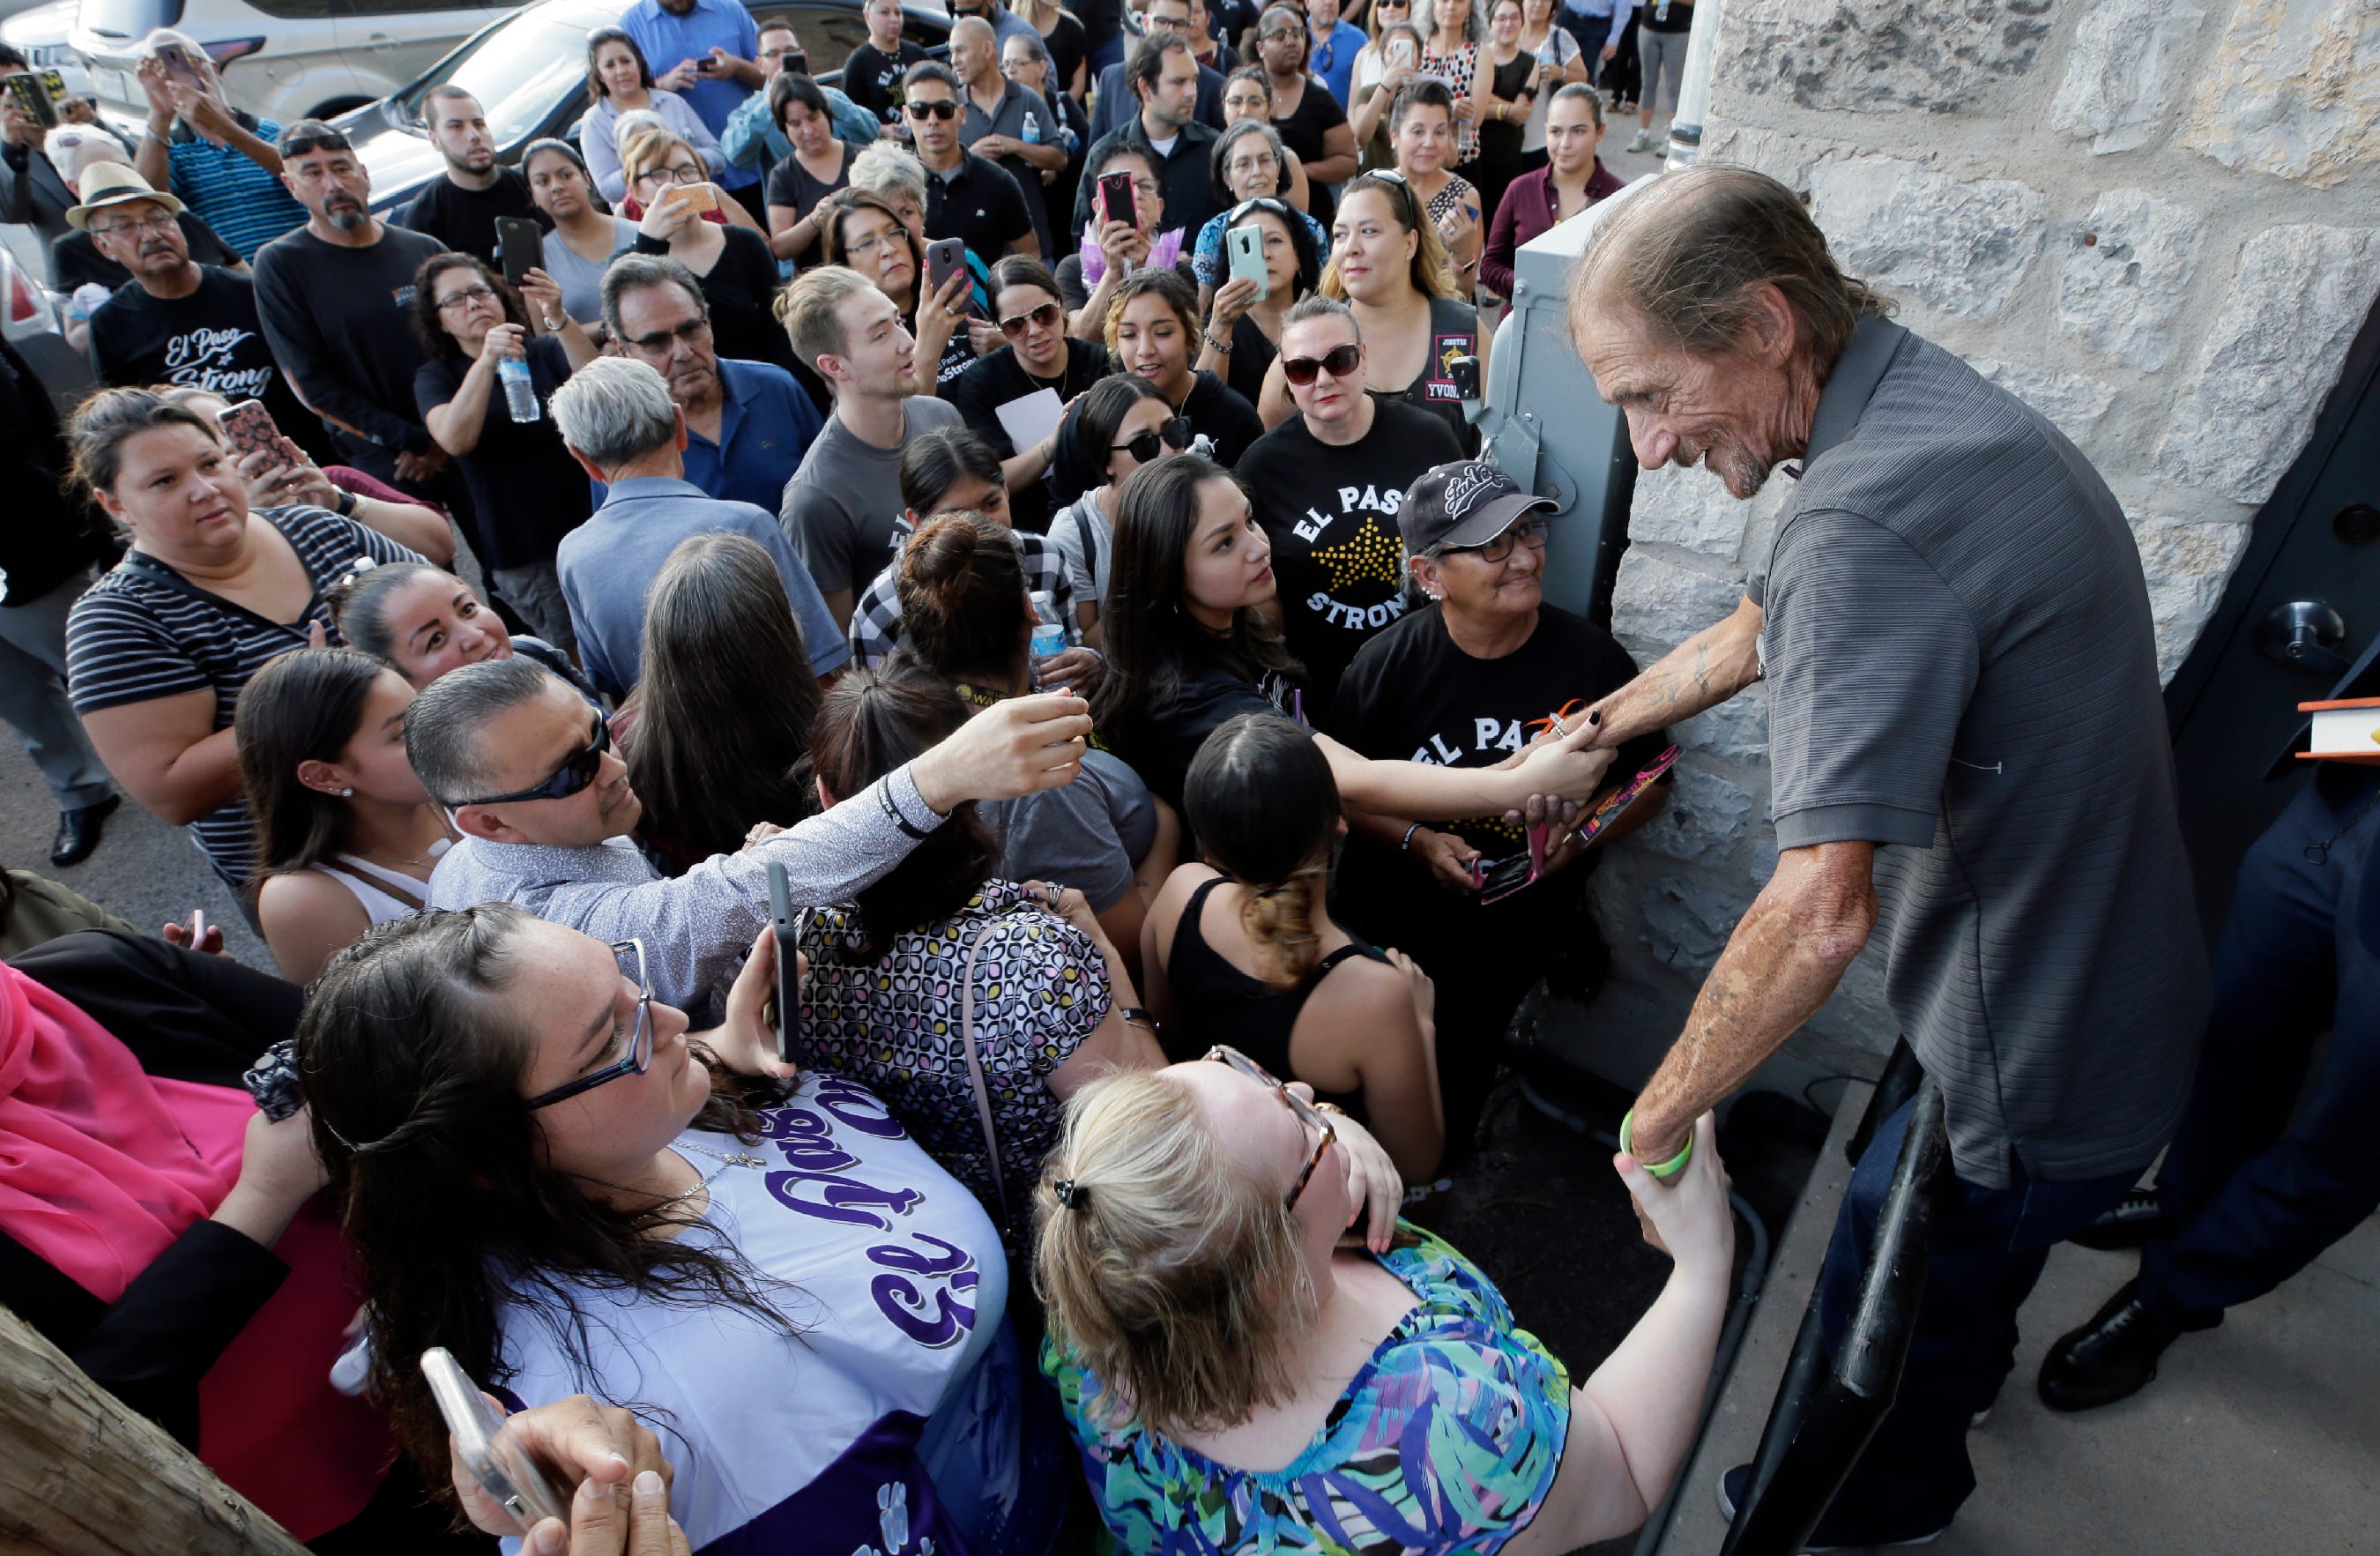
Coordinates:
1082 535
839 507
582 280
1962 667
1087 834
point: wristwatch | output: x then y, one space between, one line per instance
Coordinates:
347 503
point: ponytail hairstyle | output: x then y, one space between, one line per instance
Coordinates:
411 1058
359 600
871 723
107 419
1168 1267
1260 797
305 706
964 603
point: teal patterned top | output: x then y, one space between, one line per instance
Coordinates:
1447 1441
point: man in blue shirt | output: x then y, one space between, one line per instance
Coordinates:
748 424
706 51
1337 42
616 418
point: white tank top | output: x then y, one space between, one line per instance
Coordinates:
386 894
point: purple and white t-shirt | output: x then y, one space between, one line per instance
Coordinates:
894 1276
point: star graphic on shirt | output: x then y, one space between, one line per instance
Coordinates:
1370 554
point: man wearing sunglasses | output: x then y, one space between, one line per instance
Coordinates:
544 804
1326 485
967 196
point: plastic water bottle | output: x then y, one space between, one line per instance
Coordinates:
1049 635
1032 127
521 395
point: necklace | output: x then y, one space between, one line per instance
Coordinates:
725 1160
425 861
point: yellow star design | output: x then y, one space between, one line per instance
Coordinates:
1370 555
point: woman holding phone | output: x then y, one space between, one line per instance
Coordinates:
1421 124
817 166
1119 242
688 219
1243 334
583 240
864 232
620 81
1385 67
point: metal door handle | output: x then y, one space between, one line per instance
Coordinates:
2305 633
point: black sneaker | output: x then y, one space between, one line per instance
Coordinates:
1835 1530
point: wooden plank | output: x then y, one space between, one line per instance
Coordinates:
82 1475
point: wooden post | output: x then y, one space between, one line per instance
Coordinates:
82 1475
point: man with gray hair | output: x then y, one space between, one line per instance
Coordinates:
1968 753
617 419
544 806
1010 124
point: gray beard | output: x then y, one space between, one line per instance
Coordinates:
347 221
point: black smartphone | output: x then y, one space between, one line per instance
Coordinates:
33 100
786 924
1505 877
520 247
1116 203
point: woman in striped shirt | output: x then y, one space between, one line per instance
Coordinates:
159 649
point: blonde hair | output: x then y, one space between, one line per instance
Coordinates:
811 311
649 151
1433 270
1170 1270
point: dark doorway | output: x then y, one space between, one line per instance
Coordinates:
2302 604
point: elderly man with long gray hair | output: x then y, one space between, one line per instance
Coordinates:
1969 766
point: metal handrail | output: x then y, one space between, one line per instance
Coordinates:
1825 1414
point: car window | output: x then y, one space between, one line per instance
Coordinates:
293 10
519 72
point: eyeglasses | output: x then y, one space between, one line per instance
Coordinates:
868 246
1176 435
941 108
577 770
157 223
479 291
1307 1113
1255 162
693 331
1338 362
686 174
1279 32
638 1057
1529 532
1045 316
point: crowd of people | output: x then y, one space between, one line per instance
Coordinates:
1026 502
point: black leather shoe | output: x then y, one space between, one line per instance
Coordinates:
2139 1217
78 830
2112 1358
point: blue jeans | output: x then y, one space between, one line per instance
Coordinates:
1989 1247
2260 1195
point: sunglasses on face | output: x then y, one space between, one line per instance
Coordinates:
1307 1113
577 770
943 109
1015 326
1175 435
638 1056
1338 362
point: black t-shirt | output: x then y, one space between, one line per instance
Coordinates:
1162 746
1317 114
464 220
791 186
980 202
1069 46
76 261
1102 20
1332 516
873 80
527 490
1680 17
1412 696
209 340
992 382
1218 412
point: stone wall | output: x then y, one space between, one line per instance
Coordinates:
2156 221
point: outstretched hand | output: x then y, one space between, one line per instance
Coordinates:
746 1040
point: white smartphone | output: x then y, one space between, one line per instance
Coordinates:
504 1473
1244 257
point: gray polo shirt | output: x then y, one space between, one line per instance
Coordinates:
839 508
1016 102
1961 668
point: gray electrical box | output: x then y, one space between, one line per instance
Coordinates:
1547 427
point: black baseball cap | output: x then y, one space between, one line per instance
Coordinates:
1467 502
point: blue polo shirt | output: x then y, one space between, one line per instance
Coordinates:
765 427
668 39
1333 58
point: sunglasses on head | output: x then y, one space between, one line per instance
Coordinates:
1249 207
1014 326
942 109
1174 435
1338 362
577 770
317 139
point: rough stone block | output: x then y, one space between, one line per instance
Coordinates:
1736 729
1657 604
1881 56
2273 352
1687 508
2187 562
2074 404
2293 89
1704 818
2126 275
1960 244
2125 70
1686 922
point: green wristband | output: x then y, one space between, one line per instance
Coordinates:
1667 1170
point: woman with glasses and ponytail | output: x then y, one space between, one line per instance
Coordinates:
1241 1377
1038 355
543 1171
1390 269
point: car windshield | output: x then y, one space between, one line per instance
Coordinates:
519 72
